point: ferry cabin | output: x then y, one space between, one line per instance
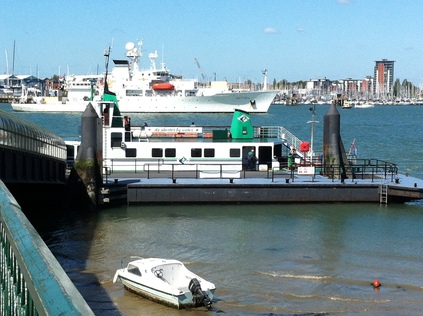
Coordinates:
133 149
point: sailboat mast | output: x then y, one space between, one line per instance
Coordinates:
7 62
13 64
7 68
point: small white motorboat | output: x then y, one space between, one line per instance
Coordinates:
364 105
166 281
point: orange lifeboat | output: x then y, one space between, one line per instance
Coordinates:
163 86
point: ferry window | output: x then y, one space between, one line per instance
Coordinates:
70 152
277 150
170 152
131 152
235 152
157 152
116 139
133 92
208 152
195 152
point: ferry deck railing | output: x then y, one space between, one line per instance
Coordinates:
178 170
32 282
369 169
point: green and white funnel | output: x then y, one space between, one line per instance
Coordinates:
241 125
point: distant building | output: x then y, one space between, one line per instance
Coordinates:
318 86
18 80
357 88
383 77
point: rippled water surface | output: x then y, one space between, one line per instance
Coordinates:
264 259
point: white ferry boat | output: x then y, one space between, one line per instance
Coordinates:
212 151
76 92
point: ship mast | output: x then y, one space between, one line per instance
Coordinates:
107 55
264 79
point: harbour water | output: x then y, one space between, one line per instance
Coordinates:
280 259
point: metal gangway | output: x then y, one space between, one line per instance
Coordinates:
290 140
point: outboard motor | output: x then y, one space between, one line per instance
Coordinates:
198 296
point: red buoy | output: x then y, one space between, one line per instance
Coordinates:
376 283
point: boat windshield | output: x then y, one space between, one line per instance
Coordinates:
134 270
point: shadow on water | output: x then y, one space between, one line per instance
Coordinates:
56 218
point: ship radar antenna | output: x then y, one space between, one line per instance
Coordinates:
152 57
134 53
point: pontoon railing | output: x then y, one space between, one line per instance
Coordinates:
372 169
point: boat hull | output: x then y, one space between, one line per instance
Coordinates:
168 299
167 282
253 102
51 107
364 105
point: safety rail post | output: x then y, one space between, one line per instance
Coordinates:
173 178
292 168
107 172
159 163
32 282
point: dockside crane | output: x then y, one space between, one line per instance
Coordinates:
201 71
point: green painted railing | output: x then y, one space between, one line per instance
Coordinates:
32 282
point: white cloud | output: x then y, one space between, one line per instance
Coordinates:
344 1
269 30
300 29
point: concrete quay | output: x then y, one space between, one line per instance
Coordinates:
259 187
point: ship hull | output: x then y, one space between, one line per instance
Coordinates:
253 102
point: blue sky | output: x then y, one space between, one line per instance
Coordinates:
236 40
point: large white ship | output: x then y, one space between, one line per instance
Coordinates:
157 90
